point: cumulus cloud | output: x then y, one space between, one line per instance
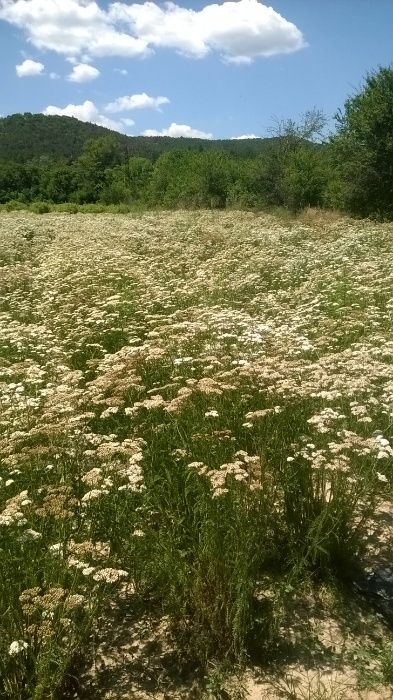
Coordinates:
82 73
238 31
244 136
122 71
177 131
141 101
28 68
71 27
128 122
86 112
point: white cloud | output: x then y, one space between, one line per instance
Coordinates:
238 31
86 112
71 27
54 76
128 122
178 130
244 136
28 68
141 101
82 73
122 71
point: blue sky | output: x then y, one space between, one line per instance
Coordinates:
194 68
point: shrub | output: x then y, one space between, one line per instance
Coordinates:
15 205
69 207
40 207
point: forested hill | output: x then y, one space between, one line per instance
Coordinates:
26 137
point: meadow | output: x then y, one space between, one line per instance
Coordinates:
196 425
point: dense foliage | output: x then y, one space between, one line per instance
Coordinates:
24 137
363 148
105 173
58 160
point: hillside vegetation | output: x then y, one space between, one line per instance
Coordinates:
152 172
52 160
196 422
26 137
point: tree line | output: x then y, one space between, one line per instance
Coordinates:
291 172
352 170
26 137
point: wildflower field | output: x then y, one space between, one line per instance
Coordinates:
196 415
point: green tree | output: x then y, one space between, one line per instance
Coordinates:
98 157
192 179
58 183
19 182
304 178
137 172
217 172
294 168
127 183
173 178
362 149
291 172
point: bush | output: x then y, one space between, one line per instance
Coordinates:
118 208
40 208
92 208
15 205
69 207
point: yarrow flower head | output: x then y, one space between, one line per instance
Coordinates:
17 647
138 533
110 575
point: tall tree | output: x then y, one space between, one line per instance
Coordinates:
363 148
292 170
98 157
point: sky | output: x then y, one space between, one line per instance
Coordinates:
225 70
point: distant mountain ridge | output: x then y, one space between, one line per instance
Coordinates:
26 137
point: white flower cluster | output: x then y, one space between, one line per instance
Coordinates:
110 575
13 512
325 420
218 477
384 448
17 647
134 474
